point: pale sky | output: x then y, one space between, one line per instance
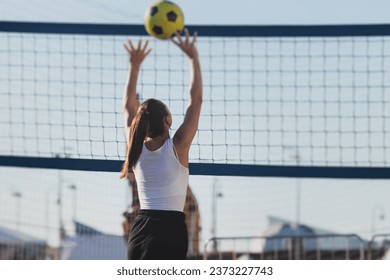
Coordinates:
202 11
343 206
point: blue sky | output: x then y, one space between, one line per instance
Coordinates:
337 205
202 11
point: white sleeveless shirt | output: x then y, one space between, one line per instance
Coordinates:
161 180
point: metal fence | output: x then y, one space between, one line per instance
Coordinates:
298 247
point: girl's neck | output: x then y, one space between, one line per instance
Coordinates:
152 144
161 137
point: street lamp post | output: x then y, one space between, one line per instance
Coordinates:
49 201
373 217
298 193
215 196
74 214
297 246
18 196
59 195
297 158
61 229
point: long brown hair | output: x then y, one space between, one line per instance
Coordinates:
148 122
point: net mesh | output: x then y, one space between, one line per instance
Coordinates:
273 101
313 101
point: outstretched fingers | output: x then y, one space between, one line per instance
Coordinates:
148 52
131 44
145 46
127 48
179 39
140 47
194 37
187 34
137 53
145 49
187 45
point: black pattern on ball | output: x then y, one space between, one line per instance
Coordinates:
171 16
157 30
153 11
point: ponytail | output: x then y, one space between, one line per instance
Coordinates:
147 122
138 131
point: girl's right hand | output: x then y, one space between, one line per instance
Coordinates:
187 46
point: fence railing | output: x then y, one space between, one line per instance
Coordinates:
378 243
290 247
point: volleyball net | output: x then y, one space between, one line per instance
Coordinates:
320 94
278 101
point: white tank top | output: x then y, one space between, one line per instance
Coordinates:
161 180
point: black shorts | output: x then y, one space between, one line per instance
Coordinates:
158 235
